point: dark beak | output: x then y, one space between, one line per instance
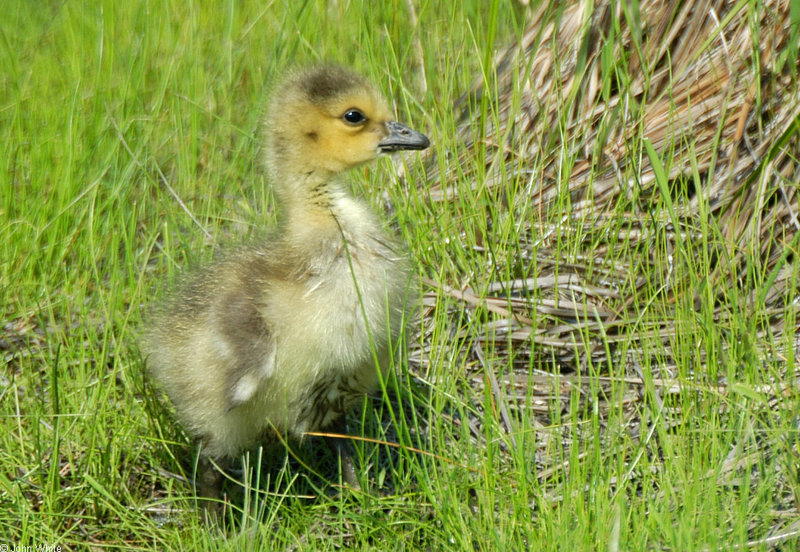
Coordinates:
402 138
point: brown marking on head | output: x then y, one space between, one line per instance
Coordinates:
324 120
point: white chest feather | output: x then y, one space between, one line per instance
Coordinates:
333 327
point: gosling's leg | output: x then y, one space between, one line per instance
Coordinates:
208 487
208 481
343 451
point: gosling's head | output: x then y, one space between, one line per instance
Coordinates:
325 120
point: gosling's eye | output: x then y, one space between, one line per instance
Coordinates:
353 117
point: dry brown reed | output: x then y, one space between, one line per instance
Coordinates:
708 84
666 250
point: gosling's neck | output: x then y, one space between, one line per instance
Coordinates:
317 207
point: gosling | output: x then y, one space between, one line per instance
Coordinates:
282 337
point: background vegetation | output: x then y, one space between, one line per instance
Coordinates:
593 369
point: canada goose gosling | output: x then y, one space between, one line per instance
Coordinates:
281 336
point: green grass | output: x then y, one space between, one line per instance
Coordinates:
128 151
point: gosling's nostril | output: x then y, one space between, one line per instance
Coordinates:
402 138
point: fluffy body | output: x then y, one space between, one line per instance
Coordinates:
272 339
287 334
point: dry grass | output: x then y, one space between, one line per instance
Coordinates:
673 135
721 112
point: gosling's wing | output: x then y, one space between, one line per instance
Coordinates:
245 334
